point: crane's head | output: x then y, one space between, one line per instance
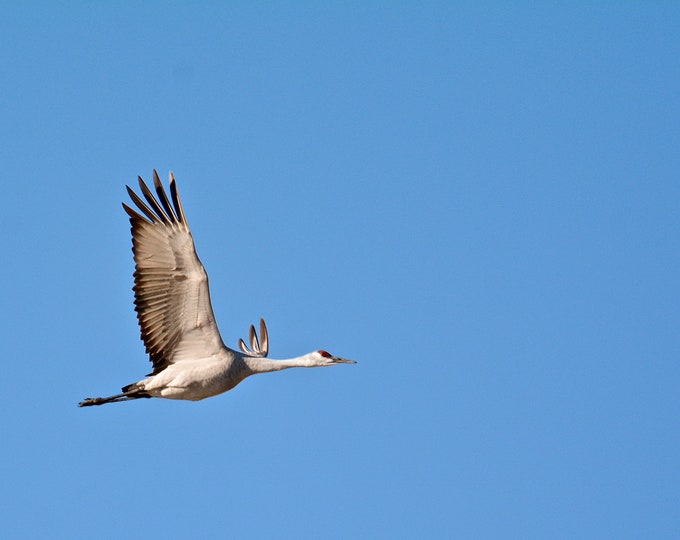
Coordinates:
324 358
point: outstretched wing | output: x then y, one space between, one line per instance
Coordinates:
172 299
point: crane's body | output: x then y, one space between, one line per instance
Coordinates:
178 328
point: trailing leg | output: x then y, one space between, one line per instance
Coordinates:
125 396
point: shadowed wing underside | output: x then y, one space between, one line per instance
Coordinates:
172 299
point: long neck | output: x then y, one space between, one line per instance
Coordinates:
264 365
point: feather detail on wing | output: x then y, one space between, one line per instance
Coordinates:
257 347
172 299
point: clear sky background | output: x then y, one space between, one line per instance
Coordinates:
478 203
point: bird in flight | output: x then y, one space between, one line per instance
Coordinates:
176 320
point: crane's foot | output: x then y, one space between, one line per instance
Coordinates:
91 401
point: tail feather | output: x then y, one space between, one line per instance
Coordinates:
129 388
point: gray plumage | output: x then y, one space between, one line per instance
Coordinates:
172 300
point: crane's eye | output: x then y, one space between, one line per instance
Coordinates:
325 354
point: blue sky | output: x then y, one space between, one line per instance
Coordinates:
479 203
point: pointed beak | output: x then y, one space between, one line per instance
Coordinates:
338 360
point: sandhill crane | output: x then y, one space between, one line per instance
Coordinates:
175 316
